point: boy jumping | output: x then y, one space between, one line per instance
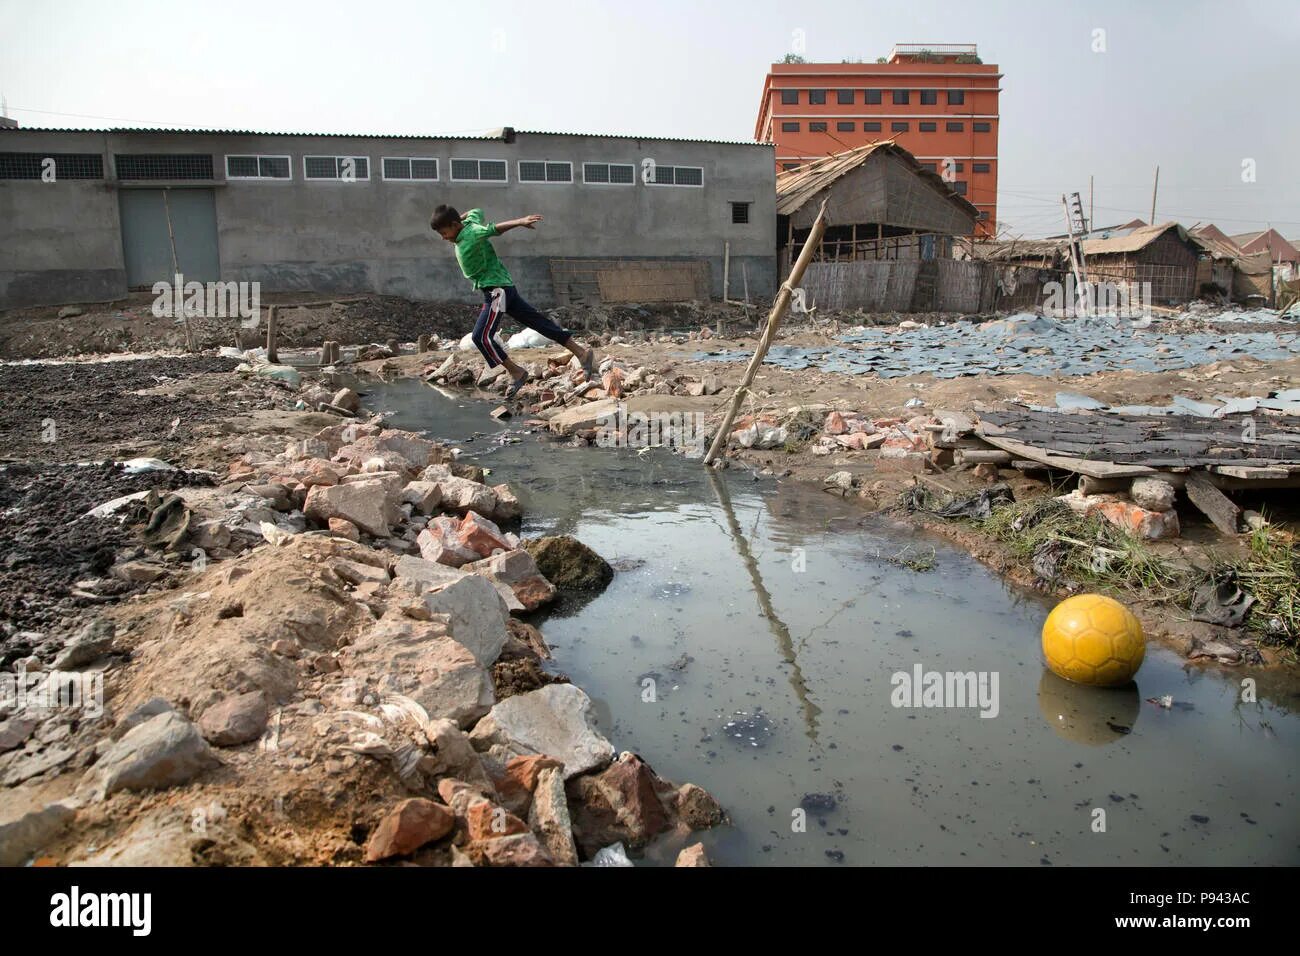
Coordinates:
478 260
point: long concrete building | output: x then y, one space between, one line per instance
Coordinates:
87 215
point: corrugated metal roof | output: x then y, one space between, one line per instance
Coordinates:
496 134
796 187
1134 241
662 139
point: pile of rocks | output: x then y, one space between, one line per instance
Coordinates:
1146 512
557 382
855 431
377 631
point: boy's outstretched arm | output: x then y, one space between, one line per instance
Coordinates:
526 221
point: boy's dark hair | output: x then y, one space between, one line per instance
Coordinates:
443 217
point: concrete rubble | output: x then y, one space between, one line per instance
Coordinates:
359 649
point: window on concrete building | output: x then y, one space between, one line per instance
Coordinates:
739 213
981 127
816 127
844 127
956 97
478 170
678 176
65 165
898 127
160 166
816 97
929 97
258 167
902 97
337 168
844 97
536 171
789 127
928 127
789 97
404 169
979 167
608 174
959 187
871 126
954 127
873 97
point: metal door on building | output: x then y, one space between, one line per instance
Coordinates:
147 242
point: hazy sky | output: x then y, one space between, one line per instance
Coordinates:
1194 86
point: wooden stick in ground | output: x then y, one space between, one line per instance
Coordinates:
773 322
271 355
176 271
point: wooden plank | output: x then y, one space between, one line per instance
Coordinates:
1248 471
1214 504
1093 469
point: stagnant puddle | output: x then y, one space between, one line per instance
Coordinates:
748 642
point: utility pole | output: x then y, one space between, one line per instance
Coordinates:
1154 189
1091 221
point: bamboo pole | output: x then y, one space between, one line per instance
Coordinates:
773 322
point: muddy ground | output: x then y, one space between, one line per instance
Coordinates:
129 325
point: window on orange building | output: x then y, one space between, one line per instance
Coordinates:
789 127
981 127
789 97
983 214
816 97
929 97
928 127
871 127
956 97
959 187
843 127
901 98
930 167
873 97
816 127
844 97
898 127
979 167
954 127
788 167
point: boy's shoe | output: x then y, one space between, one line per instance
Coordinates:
589 364
515 385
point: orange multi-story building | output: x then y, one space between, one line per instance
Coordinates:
936 100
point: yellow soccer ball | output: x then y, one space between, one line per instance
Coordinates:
1093 639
